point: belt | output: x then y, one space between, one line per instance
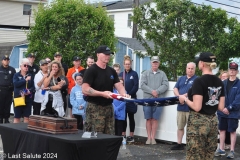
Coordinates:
98 104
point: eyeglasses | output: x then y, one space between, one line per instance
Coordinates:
6 59
25 65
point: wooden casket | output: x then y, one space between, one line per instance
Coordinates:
53 125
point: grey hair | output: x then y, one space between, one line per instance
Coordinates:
24 60
194 64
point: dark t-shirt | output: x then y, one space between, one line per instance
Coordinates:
65 68
6 77
100 80
33 69
211 88
82 71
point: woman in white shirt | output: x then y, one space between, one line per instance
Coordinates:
40 90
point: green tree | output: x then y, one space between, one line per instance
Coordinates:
180 29
71 27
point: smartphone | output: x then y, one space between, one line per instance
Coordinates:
59 79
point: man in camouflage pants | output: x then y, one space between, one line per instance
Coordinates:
98 83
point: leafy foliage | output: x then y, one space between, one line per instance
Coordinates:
71 27
180 29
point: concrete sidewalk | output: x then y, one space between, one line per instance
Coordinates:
139 151
161 151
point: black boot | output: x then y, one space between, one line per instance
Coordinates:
6 120
1 120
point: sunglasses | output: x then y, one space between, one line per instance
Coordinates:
25 65
6 59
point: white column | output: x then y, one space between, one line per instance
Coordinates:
141 65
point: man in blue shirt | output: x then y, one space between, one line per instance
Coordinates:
228 117
181 88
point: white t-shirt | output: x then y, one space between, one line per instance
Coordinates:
38 94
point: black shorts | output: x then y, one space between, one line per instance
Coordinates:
23 111
227 124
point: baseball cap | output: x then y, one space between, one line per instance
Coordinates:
31 55
206 57
233 65
76 58
104 49
57 54
5 57
43 61
155 59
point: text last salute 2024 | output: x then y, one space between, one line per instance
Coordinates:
31 156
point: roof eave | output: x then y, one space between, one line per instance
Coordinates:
120 10
30 1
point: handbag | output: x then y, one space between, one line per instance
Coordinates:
20 101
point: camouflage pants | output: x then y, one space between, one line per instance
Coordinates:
102 117
201 136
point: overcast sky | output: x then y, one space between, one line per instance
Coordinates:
224 4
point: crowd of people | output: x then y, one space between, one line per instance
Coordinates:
208 103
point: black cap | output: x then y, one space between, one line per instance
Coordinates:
233 65
5 57
206 57
31 55
104 49
76 58
57 54
43 61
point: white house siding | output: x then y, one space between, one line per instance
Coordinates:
12 35
11 13
121 22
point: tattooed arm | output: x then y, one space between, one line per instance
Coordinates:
87 90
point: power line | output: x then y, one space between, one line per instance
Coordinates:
223 4
215 8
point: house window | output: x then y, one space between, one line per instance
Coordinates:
129 22
112 17
27 9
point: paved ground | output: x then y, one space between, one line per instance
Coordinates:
139 151
161 151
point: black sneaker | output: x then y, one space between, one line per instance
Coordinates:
6 120
178 147
130 139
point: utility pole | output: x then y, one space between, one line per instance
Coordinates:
134 28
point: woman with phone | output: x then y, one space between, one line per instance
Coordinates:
53 103
23 86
